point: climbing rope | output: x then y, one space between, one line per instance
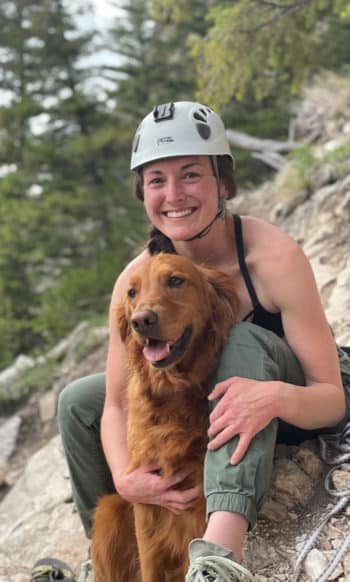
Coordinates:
334 450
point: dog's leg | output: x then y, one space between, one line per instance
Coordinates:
160 560
114 548
147 523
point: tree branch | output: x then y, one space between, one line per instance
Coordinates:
284 11
249 142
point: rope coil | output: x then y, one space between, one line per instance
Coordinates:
333 452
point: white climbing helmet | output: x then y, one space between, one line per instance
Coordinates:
183 128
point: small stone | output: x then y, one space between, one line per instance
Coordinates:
315 564
8 437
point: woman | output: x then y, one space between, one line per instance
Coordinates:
280 362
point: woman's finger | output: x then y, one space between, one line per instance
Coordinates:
220 389
241 449
220 439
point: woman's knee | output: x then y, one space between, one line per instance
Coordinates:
82 398
257 353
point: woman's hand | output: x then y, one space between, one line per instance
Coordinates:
145 485
245 408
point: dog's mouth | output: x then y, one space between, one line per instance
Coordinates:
161 353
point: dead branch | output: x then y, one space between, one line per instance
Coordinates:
248 142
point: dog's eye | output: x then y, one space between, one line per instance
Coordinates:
132 292
174 281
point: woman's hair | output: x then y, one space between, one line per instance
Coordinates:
158 242
226 174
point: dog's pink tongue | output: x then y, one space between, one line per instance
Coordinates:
155 353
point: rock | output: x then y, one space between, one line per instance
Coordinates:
315 564
290 485
10 374
47 406
339 303
341 479
37 519
309 462
346 563
8 437
273 510
64 346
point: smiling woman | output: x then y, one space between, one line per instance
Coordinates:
174 191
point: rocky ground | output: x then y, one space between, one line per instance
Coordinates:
311 201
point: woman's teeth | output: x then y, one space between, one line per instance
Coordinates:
178 213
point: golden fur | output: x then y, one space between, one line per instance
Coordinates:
167 414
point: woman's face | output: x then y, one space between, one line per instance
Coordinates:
180 195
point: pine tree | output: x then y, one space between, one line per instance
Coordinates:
153 62
63 177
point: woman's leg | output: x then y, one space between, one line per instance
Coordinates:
79 414
235 493
251 352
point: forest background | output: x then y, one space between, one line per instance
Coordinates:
68 221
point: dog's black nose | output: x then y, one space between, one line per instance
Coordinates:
144 321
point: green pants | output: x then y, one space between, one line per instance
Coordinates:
251 352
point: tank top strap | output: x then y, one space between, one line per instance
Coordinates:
241 260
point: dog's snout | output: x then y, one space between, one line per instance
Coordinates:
144 321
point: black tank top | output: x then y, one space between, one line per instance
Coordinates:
259 315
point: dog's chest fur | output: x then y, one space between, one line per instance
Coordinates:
167 426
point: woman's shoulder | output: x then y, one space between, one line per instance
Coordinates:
262 237
121 283
272 254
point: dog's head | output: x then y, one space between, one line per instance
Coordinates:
172 305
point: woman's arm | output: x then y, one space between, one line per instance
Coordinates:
322 402
284 281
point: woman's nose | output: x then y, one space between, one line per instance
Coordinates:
174 190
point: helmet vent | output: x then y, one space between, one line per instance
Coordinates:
135 145
203 130
201 115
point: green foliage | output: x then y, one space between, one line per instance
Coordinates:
83 291
338 154
63 203
260 47
156 64
90 342
303 156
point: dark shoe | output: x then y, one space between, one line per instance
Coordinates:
50 569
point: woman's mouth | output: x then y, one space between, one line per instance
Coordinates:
178 213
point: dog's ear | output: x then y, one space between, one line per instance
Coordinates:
123 321
222 295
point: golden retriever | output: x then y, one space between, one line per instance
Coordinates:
174 321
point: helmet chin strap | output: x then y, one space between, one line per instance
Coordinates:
221 213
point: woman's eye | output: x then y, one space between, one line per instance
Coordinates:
155 182
132 292
174 281
191 176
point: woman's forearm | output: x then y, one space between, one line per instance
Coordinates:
114 439
310 407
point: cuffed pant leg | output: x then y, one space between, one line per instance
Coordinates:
255 353
79 414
